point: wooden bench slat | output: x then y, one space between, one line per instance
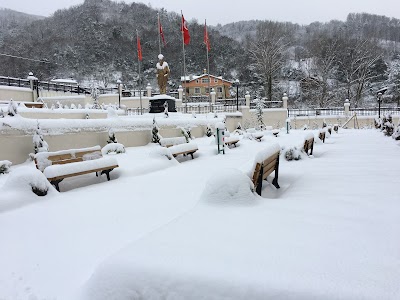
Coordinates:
82 173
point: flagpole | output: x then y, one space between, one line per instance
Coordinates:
184 63
208 68
140 79
159 34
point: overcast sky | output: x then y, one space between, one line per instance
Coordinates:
225 11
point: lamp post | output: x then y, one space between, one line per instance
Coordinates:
379 96
119 93
236 83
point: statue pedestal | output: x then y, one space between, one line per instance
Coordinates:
156 104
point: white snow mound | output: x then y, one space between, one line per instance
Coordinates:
230 187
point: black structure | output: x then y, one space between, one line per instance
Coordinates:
156 104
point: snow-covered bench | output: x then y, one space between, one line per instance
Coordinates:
231 140
184 149
265 163
322 135
308 143
168 142
257 136
57 166
178 145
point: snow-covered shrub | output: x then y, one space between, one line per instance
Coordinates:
155 135
388 126
378 123
5 166
59 105
305 127
111 137
231 187
66 106
39 143
292 153
111 112
208 130
79 106
1 113
396 133
12 108
73 106
28 179
116 148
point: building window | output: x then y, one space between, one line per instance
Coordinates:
197 90
197 81
207 90
219 89
215 80
204 80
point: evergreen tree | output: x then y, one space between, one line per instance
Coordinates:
12 108
94 93
111 137
208 131
39 143
259 112
166 109
156 136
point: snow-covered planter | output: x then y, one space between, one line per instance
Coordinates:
116 148
187 134
5 166
28 179
292 153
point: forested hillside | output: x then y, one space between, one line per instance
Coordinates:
318 65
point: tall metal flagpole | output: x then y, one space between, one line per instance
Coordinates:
140 78
159 34
184 62
208 67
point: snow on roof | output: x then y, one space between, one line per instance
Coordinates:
67 81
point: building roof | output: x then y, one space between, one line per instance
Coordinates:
195 77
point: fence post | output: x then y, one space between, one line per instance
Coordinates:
284 100
180 93
346 107
148 88
247 97
34 86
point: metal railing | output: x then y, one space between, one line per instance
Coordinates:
136 111
16 82
339 111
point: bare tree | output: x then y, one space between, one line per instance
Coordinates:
356 66
268 53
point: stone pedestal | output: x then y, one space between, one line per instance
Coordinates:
156 104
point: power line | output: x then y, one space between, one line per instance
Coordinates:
25 58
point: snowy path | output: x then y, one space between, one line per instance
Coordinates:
336 217
333 234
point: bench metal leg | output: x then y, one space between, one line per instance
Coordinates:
312 147
260 180
55 183
107 172
275 181
191 154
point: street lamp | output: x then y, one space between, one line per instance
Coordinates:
379 96
119 93
236 83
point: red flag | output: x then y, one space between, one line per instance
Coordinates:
185 31
139 49
162 33
206 39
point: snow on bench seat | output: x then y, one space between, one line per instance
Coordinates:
76 168
168 142
231 140
186 148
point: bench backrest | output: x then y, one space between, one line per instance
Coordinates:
45 159
268 165
168 142
308 144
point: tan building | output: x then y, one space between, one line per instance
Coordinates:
198 86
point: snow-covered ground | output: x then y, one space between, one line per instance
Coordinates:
192 229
